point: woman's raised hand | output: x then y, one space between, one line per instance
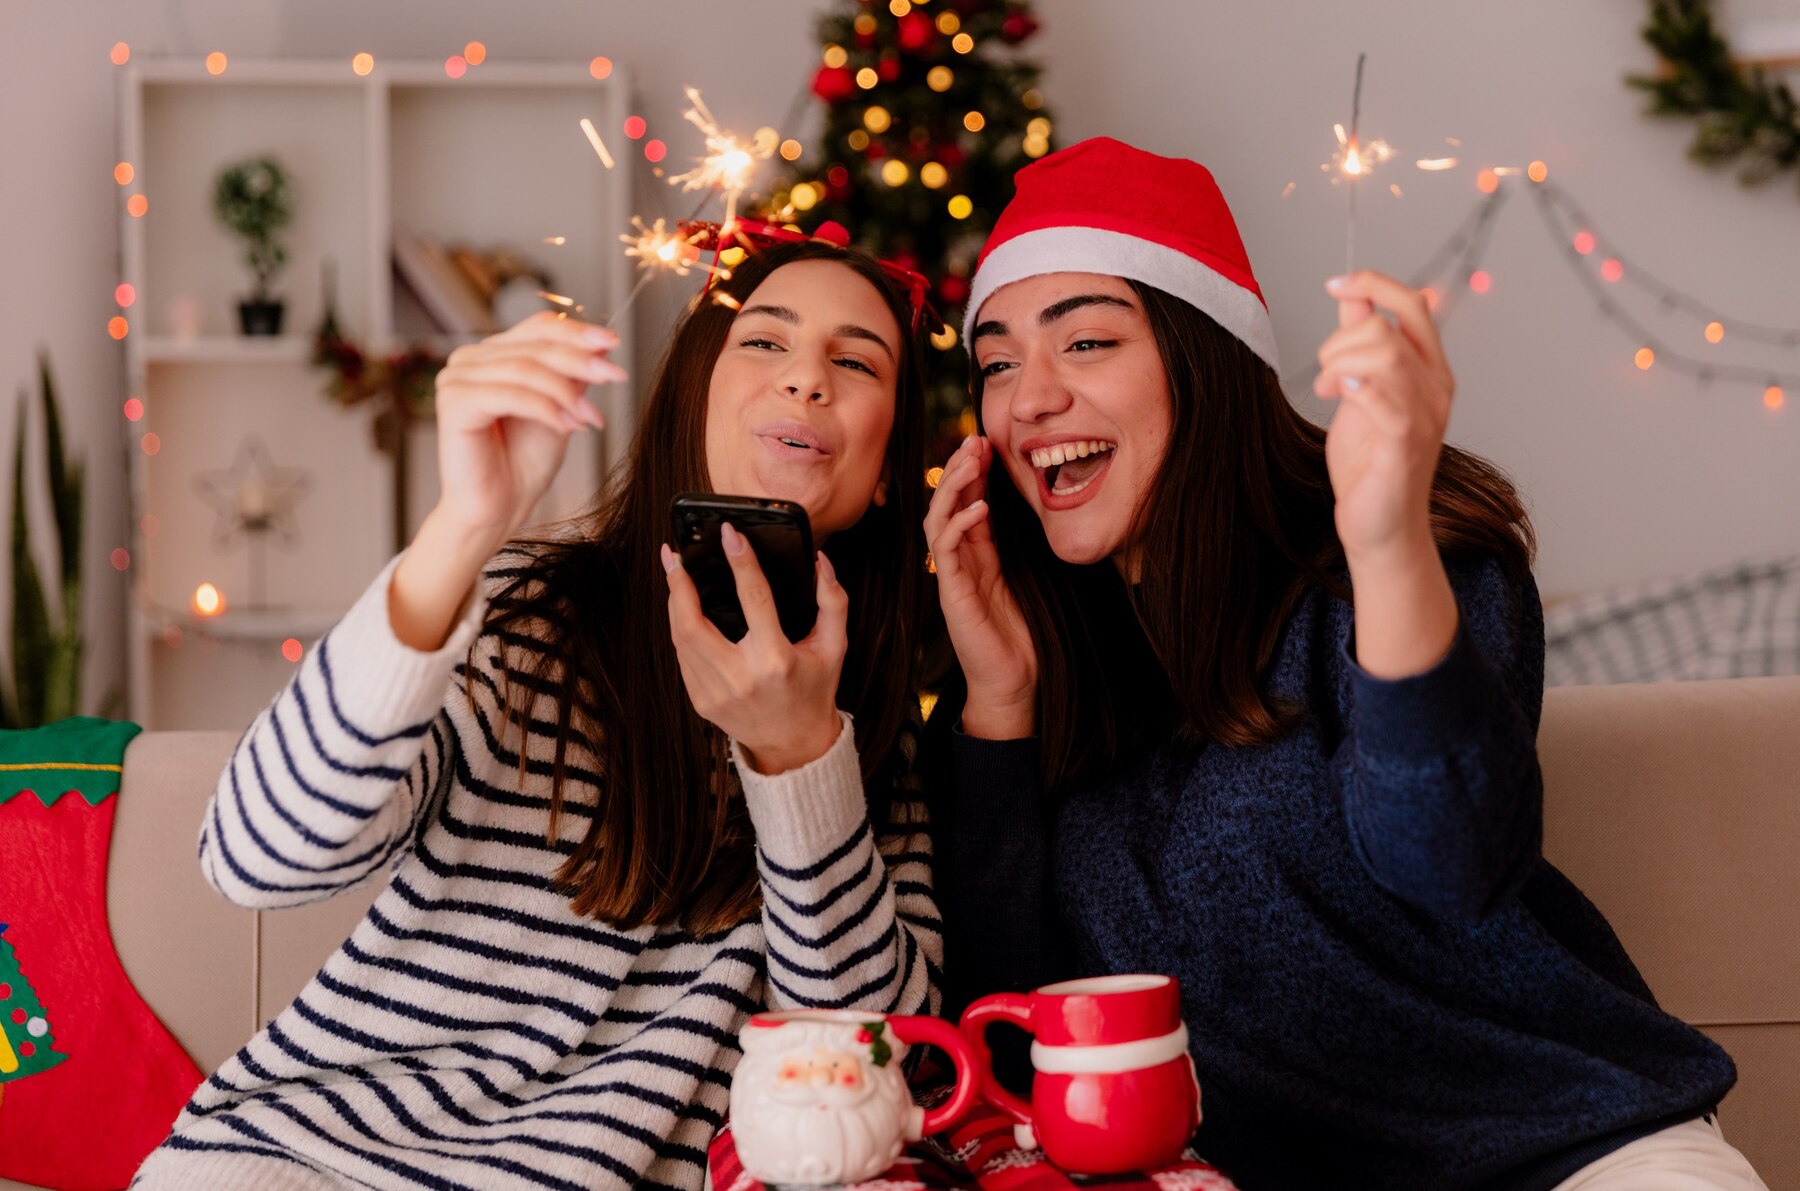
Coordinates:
777 698
1393 387
986 627
505 409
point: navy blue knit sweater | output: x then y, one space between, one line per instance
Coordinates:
1385 984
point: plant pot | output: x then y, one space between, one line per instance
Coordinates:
260 316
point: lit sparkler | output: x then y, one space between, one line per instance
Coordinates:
1354 160
728 163
657 249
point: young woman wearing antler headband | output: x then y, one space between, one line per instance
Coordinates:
613 833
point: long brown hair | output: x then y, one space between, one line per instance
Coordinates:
585 619
1236 526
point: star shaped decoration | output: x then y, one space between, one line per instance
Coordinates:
253 497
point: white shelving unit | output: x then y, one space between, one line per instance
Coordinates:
493 159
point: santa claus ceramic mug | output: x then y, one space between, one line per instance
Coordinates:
819 1096
1114 1088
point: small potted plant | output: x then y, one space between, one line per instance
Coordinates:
254 200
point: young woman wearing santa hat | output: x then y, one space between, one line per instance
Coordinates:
1255 703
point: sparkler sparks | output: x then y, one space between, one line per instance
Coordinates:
657 249
728 163
593 136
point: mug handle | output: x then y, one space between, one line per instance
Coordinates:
932 1031
1008 1007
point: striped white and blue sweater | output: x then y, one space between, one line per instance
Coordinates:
473 1032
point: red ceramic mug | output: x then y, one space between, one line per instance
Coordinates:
1114 1088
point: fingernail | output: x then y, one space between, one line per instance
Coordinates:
1352 384
599 337
825 566
594 416
669 560
1338 282
602 369
734 541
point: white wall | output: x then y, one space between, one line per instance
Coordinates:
1631 475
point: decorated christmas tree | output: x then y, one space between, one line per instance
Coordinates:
929 111
25 1041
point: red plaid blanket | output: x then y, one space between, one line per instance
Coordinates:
981 1152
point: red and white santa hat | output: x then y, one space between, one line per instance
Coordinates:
1102 206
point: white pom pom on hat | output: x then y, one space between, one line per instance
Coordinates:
1102 206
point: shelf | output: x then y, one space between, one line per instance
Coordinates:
218 349
494 159
263 624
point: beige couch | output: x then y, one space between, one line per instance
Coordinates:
1676 807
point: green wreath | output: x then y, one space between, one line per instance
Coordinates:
1743 113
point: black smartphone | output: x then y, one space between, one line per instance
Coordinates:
780 533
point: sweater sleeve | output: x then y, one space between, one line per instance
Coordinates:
331 778
848 911
1439 771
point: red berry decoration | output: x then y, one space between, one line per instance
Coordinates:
864 1037
1017 26
916 32
834 84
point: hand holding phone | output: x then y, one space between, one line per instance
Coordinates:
766 675
781 535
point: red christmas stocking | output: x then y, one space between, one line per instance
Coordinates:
90 1081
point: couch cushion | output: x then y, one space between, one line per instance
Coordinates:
1676 808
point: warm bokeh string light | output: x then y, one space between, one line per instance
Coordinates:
208 600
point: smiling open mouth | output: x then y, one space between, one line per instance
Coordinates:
1071 466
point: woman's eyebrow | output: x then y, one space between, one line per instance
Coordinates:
1056 310
1052 312
788 314
852 331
